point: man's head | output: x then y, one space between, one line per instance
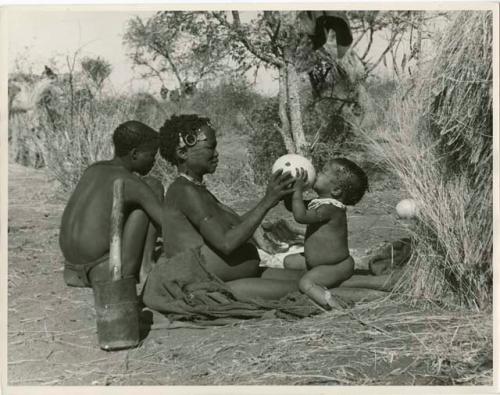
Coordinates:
189 140
138 142
342 179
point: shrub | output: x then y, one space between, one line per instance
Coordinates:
79 133
439 142
265 142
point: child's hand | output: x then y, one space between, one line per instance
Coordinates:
300 179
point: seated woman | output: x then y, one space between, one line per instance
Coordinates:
193 218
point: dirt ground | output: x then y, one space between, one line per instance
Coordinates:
52 336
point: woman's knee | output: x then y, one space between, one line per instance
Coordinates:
349 268
306 283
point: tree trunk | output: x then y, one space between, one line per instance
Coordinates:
285 130
290 111
295 110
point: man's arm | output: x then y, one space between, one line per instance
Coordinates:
137 191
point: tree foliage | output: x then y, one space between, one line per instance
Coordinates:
97 70
187 46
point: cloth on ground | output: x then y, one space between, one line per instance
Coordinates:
280 235
388 256
78 275
183 289
276 260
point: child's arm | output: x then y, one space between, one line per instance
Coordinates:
287 200
301 214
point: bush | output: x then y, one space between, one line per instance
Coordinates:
69 137
265 142
438 141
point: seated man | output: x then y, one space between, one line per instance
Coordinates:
85 227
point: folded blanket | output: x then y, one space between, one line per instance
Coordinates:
182 288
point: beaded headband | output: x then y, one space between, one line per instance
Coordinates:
190 139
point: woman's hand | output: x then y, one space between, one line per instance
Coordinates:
280 185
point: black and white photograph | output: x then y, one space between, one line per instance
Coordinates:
249 195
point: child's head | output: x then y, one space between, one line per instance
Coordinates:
343 180
179 133
137 141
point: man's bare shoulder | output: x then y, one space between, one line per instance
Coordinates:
106 170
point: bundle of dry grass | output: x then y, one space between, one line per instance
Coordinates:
439 142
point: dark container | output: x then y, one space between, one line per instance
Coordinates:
117 311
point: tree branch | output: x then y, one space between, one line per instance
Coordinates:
387 49
236 28
141 62
165 53
370 42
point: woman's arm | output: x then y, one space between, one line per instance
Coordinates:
215 231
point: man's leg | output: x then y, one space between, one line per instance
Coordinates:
138 241
152 232
139 236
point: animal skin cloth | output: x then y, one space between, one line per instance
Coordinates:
183 289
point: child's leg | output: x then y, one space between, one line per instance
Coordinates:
315 282
295 262
250 288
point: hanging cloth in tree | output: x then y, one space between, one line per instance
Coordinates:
316 25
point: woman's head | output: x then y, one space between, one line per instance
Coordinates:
189 141
343 180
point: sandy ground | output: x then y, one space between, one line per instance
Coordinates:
52 336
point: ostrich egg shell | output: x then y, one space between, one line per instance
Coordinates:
292 163
407 208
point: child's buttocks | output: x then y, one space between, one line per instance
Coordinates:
326 243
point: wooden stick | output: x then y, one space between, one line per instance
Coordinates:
115 248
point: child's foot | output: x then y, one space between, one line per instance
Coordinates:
324 298
332 302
